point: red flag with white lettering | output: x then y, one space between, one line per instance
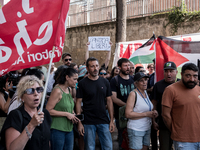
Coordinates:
28 31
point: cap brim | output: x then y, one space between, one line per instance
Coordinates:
142 77
170 68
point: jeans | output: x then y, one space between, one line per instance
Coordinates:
61 140
186 146
103 133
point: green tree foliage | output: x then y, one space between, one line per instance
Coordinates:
180 14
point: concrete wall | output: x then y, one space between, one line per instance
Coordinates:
137 29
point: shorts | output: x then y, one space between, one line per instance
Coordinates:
138 138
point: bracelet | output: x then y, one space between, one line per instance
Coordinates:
28 133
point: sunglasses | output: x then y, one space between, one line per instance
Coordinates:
68 59
32 90
101 73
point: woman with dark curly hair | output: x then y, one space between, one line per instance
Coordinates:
114 72
61 107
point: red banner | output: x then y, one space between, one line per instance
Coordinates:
28 31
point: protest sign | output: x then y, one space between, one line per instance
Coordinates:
99 43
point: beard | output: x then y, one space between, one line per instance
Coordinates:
189 84
93 73
67 64
124 72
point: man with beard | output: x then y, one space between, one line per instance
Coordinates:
66 59
170 72
180 109
121 86
93 90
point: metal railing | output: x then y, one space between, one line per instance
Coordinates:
85 12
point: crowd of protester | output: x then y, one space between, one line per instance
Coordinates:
83 101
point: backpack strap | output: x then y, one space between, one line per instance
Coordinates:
135 98
116 79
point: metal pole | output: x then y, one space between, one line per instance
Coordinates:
143 8
47 79
88 12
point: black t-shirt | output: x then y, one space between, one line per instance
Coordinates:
156 95
151 81
41 134
123 88
93 94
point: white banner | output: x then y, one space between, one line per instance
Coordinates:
99 43
122 46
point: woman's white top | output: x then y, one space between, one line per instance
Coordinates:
141 106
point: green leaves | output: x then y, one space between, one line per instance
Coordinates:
178 15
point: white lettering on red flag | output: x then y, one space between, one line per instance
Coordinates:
28 31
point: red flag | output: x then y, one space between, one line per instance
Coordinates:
128 52
28 31
172 50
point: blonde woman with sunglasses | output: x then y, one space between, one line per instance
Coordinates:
26 128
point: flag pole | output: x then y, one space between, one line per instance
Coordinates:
47 79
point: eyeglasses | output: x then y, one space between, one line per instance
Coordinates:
101 73
68 59
32 90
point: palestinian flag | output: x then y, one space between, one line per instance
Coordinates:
145 53
179 52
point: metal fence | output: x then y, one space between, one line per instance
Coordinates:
85 12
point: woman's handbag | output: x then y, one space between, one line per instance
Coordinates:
122 119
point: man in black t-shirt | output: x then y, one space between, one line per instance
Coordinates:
93 90
121 86
170 73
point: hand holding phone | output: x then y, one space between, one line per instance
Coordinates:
80 117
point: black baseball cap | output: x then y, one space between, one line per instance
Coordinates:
139 75
170 65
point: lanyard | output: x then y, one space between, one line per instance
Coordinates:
147 101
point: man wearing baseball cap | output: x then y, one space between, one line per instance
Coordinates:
170 72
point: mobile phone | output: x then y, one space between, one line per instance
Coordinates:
80 117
